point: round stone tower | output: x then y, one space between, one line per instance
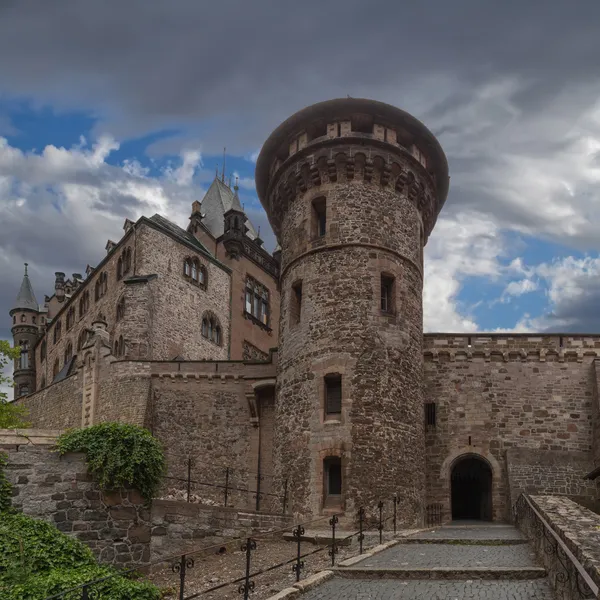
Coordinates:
352 188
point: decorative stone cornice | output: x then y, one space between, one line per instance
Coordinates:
512 355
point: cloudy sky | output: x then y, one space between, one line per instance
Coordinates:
116 109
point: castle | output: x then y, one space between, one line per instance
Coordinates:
311 363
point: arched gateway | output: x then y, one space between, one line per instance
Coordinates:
471 483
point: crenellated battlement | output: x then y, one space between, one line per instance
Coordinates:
502 347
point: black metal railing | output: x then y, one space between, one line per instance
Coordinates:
567 574
434 514
182 566
219 485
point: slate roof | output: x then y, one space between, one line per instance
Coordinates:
26 297
64 372
178 232
218 199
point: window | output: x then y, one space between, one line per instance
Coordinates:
121 309
82 339
257 301
70 317
57 331
387 294
33 320
211 329
84 303
55 369
195 271
23 390
120 347
319 218
23 318
332 480
43 382
296 303
101 286
119 268
14 319
68 352
429 416
126 260
333 394
24 360
43 351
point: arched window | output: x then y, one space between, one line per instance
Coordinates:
120 347
84 303
126 260
194 270
43 382
23 390
187 267
81 339
211 328
121 309
43 351
24 361
203 275
101 286
70 317
119 268
68 353
57 331
55 369
33 320
22 318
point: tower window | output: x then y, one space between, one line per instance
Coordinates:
57 331
296 303
333 394
24 360
70 317
332 480
43 351
257 301
68 352
23 390
121 309
319 217
23 318
387 294
429 416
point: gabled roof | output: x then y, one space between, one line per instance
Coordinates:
26 298
218 199
178 232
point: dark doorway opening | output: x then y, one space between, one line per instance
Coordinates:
471 482
332 475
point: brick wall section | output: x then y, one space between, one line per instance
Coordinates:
177 304
180 527
579 529
58 489
57 406
501 405
532 471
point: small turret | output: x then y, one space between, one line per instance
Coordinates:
234 226
59 286
25 330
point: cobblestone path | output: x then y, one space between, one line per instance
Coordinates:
474 546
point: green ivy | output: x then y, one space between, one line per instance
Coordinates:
119 455
5 487
37 561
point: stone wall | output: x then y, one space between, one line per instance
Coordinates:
180 526
532 471
487 403
579 529
58 489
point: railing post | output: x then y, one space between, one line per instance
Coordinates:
247 586
285 492
258 480
181 567
380 526
333 522
226 484
189 476
298 533
395 505
361 537
84 593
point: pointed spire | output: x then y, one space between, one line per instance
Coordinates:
25 297
223 171
235 204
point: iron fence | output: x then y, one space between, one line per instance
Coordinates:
570 580
181 566
434 514
217 485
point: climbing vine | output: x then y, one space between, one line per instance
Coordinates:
5 487
118 455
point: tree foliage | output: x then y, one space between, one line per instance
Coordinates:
12 416
118 455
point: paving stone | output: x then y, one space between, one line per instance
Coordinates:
353 589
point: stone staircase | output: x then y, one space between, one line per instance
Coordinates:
453 562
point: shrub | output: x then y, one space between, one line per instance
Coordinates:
119 455
5 487
37 561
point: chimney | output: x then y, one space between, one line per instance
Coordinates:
59 286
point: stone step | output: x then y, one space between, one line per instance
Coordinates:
443 573
465 541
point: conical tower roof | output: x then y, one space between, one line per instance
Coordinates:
25 297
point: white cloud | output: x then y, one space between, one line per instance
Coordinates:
518 288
